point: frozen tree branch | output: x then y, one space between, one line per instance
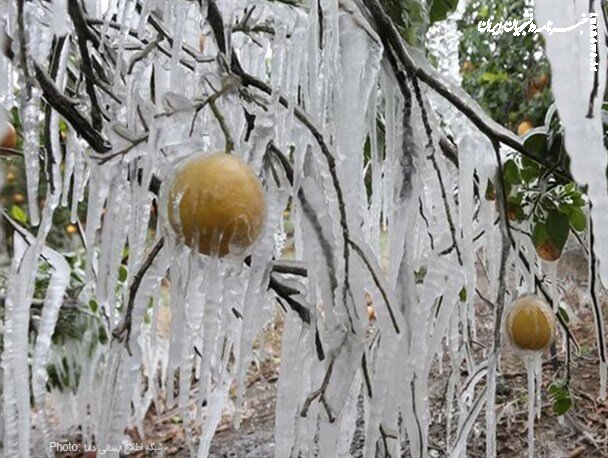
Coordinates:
123 330
320 393
82 32
66 108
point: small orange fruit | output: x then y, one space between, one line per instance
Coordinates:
71 229
18 198
467 67
530 323
524 127
10 177
9 139
220 202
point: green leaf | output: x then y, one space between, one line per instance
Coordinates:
122 274
564 316
420 274
93 305
18 214
561 406
103 335
554 389
462 295
491 78
511 172
578 220
441 8
535 141
558 228
539 234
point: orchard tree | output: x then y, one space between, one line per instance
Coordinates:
175 143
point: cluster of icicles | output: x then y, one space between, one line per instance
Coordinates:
336 368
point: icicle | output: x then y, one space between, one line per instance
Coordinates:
31 151
531 362
54 299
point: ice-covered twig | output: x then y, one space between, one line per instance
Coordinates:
65 107
320 393
501 197
63 104
9 152
123 330
368 264
222 122
158 25
377 282
23 52
76 13
431 156
57 47
597 310
144 52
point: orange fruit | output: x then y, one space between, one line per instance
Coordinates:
71 229
9 140
530 323
467 67
524 127
18 198
10 177
216 203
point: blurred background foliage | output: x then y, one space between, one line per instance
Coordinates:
508 75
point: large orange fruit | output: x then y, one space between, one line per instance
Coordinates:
216 203
530 323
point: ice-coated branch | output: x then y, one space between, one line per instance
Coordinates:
23 53
431 156
82 32
56 47
123 330
312 218
159 27
66 108
320 393
597 309
222 122
148 48
501 196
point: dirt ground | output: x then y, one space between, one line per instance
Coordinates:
582 432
